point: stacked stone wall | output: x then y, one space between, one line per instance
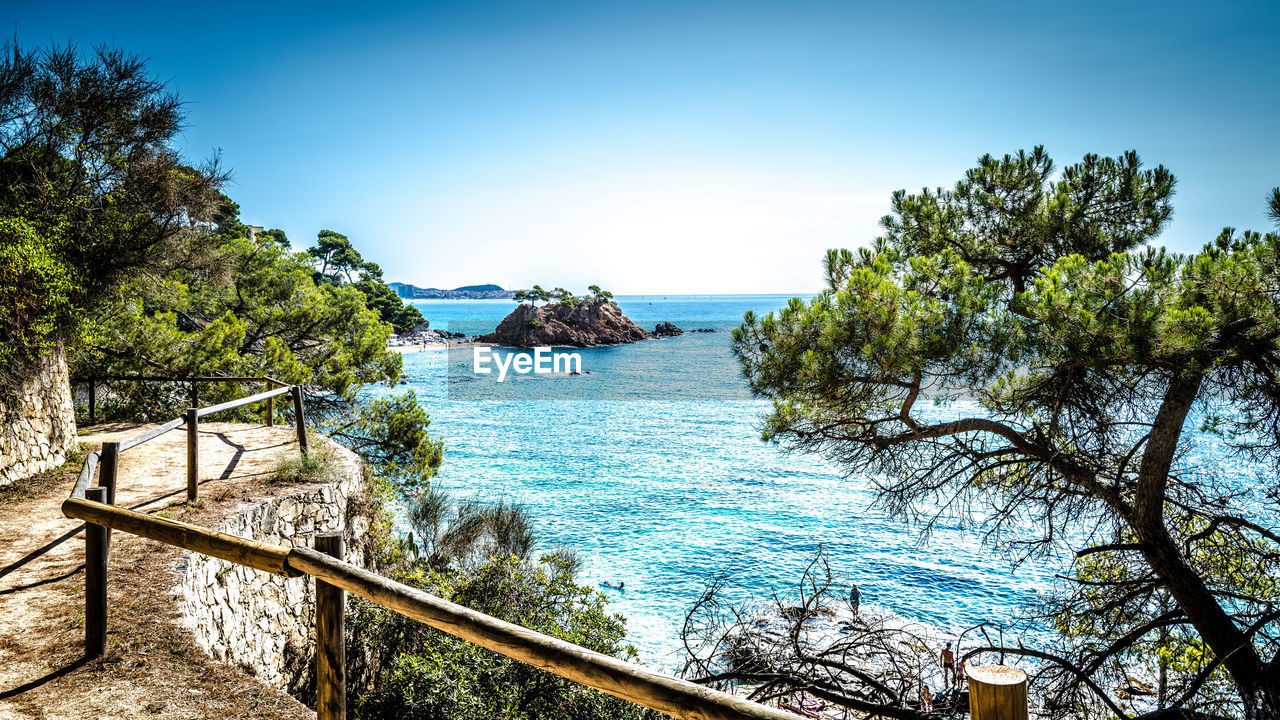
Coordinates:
265 623
37 421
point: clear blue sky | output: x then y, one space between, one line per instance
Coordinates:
679 146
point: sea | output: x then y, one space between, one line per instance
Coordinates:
650 465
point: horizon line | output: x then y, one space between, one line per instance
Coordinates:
631 294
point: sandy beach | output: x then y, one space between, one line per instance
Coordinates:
428 347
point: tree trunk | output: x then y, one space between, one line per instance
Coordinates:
1268 700
1259 686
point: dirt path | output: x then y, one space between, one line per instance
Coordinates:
152 668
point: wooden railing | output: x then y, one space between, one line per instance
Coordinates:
334 577
193 383
108 458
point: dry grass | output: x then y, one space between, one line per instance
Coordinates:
316 466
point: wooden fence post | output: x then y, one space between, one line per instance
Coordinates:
193 453
195 394
93 398
300 418
331 652
108 471
271 409
96 547
997 692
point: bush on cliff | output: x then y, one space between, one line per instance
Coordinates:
316 466
480 557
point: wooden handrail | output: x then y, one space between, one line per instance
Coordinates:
253 553
156 432
679 698
230 404
151 434
86 474
675 697
174 378
192 420
93 381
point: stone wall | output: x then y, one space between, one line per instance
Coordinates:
264 623
37 423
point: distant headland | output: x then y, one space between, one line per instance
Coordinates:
466 292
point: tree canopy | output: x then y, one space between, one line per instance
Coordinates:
259 313
1063 358
338 262
256 309
559 295
90 188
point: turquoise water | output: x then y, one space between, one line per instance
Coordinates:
649 464
651 467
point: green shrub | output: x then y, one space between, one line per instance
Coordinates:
480 557
316 466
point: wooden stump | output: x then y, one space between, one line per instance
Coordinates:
997 692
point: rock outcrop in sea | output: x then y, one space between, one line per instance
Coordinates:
666 329
586 322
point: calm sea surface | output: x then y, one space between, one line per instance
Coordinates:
650 465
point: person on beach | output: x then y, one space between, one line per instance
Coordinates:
948 660
926 699
855 597
960 679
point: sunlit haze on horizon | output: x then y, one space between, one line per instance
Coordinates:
683 148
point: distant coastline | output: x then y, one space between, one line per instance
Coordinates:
409 291
466 292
